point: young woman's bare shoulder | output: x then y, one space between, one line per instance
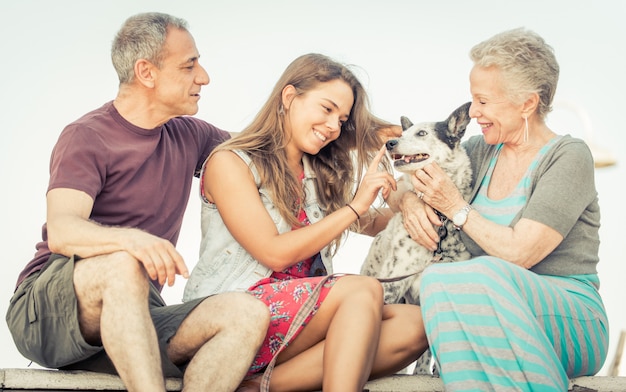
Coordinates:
225 157
227 163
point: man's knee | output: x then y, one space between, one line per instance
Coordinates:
116 280
246 308
119 268
221 310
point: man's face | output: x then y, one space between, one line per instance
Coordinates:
178 82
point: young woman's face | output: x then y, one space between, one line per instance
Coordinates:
500 120
314 119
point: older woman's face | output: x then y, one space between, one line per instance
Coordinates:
500 119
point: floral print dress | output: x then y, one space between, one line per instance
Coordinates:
284 293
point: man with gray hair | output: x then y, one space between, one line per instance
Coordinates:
120 178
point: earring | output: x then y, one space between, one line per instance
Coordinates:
526 130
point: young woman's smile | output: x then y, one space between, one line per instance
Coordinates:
314 119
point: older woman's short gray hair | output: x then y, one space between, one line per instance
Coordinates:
527 64
142 36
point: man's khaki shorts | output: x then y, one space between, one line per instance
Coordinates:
43 319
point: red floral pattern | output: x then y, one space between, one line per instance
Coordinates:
283 293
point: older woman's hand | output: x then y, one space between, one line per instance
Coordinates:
437 189
419 218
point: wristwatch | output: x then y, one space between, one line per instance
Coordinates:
460 217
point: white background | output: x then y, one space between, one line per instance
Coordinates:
412 57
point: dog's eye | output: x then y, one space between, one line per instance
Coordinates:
422 133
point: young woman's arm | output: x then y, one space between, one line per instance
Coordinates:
236 196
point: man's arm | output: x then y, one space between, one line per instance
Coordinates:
70 232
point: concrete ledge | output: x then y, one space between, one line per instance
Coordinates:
39 380
412 383
70 380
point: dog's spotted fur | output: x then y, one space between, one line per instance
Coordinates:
393 253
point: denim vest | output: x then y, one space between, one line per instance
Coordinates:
224 265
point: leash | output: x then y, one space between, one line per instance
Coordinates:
397 278
435 259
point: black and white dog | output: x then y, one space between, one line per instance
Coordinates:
393 253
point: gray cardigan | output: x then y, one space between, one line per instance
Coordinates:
563 196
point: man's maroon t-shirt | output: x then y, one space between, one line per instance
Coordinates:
137 177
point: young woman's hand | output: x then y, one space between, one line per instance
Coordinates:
373 182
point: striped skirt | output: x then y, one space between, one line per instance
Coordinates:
493 325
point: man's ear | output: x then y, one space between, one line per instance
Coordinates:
289 93
145 72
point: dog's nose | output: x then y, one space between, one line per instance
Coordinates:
391 144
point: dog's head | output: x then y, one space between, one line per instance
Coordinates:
428 142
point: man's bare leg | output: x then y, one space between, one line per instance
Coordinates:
112 293
220 338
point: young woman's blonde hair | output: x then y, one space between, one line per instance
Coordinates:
337 165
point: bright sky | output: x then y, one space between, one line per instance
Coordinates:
411 56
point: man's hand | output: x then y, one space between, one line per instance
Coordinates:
159 257
70 232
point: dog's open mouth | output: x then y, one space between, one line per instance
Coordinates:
400 159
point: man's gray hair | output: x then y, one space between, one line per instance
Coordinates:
142 36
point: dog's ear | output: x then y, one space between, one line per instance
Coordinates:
459 120
406 123
453 128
